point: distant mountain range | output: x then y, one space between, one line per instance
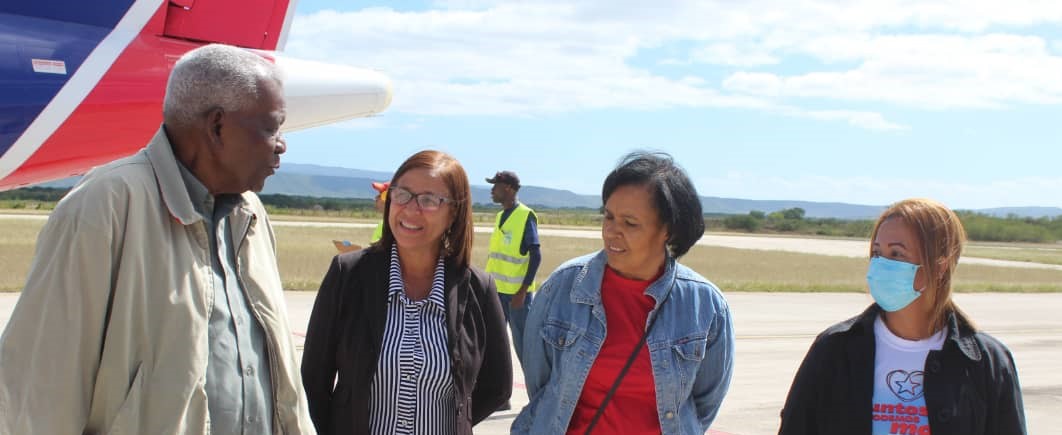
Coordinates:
333 182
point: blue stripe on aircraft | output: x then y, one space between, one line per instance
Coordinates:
50 30
94 13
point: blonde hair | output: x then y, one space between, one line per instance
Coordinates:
943 238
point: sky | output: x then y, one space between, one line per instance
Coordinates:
858 101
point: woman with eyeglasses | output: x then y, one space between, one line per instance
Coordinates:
406 337
913 362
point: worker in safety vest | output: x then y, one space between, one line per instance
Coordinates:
381 202
514 254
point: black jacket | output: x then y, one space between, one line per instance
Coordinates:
346 331
971 385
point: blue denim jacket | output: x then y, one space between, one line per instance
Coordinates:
691 347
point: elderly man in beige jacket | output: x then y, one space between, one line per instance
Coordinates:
154 305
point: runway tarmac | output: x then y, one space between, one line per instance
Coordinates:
774 331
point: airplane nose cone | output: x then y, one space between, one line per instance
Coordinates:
318 93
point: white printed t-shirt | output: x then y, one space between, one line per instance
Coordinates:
899 400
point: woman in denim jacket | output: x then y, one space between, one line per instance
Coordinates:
591 315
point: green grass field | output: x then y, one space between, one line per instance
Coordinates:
1049 254
305 252
17 239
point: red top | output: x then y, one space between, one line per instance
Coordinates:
632 409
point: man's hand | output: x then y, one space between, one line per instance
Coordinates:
518 298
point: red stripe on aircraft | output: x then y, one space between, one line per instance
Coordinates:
118 116
256 26
121 114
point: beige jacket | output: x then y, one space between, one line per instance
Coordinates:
110 333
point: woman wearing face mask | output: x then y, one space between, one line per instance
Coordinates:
627 340
405 336
912 363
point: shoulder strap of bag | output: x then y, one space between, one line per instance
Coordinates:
626 367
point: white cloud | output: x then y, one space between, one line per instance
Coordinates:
733 55
552 56
755 83
928 71
867 120
464 4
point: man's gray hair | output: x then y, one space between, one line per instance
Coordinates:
213 76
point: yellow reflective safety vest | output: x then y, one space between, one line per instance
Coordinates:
505 262
377 233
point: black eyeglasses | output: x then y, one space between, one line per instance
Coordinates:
426 201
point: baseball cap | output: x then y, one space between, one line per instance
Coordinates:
507 177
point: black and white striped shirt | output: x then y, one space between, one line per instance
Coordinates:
413 389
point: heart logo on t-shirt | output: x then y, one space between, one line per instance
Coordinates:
905 385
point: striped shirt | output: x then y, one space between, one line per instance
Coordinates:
413 389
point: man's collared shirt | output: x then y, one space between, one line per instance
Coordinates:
238 384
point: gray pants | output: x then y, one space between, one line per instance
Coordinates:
517 319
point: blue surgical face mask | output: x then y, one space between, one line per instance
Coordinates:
891 283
